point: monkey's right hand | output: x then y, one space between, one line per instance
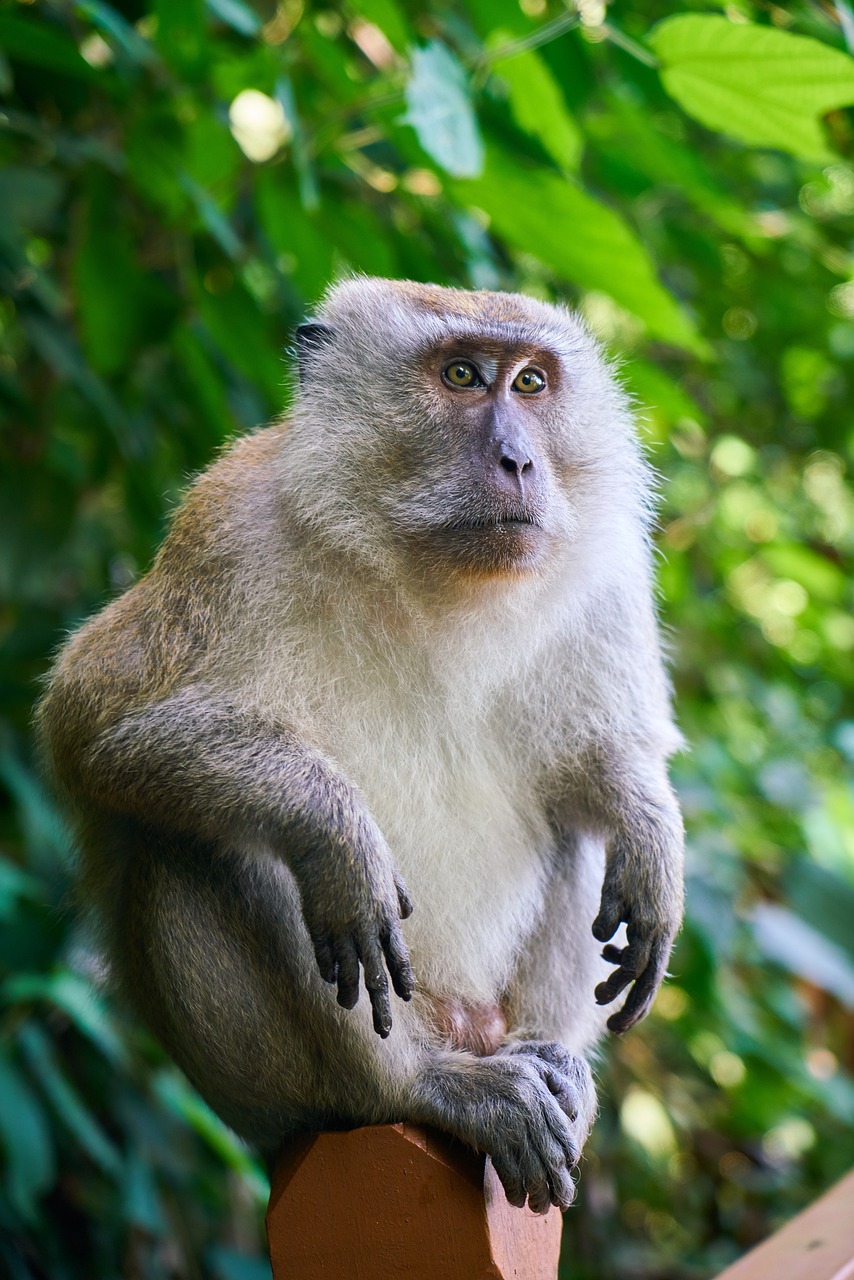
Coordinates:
353 911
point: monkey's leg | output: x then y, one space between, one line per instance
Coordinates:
211 950
228 777
213 953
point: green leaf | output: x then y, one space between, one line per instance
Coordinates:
797 946
539 106
29 198
177 1095
77 999
27 1149
387 15
122 33
66 1101
142 1204
300 150
180 35
237 15
212 217
15 884
441 113
228 1264
107 281
762 86
823 579
584 242
40 45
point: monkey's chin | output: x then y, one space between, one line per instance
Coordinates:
492 549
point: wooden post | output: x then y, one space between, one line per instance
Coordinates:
816 1245
400 1201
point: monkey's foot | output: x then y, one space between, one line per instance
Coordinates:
566 1075
528 1109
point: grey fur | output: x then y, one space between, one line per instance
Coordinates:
410 636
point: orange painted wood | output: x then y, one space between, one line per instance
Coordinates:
816 1245
397 1201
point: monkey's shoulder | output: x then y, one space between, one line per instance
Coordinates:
161 631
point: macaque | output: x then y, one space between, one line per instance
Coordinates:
389 711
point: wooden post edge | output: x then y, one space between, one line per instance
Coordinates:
391 1200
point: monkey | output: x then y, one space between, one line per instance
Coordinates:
390 710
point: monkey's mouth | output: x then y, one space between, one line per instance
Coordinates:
497 542
494 524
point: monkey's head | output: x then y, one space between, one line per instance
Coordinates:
459 435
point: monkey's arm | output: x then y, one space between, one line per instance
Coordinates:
643 885
196 765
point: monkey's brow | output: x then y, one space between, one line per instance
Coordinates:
497 340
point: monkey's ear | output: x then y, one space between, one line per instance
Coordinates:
311 336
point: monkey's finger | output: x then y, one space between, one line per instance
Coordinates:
562 1090
642 994
325 960
614 955
610 917
397 959
376 985
348 973
509 1175
607 991
403 898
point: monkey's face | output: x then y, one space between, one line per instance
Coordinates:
471 433
474 460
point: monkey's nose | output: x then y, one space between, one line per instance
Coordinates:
514 459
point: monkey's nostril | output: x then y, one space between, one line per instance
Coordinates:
513 466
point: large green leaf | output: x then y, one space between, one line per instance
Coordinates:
441 113
539 106
584 242
762 86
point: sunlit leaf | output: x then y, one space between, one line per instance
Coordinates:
766 87
391 20
236 14
539 106
120 31
440 111
584 242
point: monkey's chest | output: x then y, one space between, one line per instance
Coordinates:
470 845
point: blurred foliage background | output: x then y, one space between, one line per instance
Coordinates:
181 178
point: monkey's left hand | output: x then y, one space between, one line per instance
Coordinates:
650 932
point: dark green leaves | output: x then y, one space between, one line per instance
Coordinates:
151 276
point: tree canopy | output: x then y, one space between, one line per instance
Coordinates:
181 179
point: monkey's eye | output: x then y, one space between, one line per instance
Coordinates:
462 374
529 382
